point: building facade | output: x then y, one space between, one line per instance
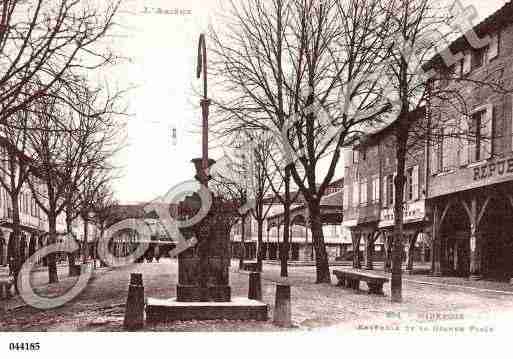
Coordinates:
458 204
470 181
370 171
336 237
34 225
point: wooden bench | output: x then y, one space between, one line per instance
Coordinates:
351 279
5 287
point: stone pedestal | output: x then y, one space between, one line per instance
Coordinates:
203 289
189 288
203 271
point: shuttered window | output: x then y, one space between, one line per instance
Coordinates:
411 190
487 134
375 190
355 156
493 51
467 63
356 197
479 57
385 192
480 134
363 192
408 189
346 199
388 191
463 144
414 187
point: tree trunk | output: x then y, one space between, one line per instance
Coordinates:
411 249
242 239
321 257
18 260
102 231
355 239
388 252
71 255
52 265
397 249
284 249
86 234
260 234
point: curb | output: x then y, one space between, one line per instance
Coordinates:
458 286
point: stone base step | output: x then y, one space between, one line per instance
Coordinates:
169 310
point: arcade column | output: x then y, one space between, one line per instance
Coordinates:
475 210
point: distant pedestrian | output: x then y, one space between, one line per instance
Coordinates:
11 266
14 270
157 254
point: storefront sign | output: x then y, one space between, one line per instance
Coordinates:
415 211
493 169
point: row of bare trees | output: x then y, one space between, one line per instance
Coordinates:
59 129
316 76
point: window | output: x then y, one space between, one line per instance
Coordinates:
436 84
478 136
346 199
408 190
479 57
415 182
436 147
493 51
467 61
375 190
356 200
33 210
363 193
456 69
355 156
388 191
411 191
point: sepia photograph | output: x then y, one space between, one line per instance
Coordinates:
317 169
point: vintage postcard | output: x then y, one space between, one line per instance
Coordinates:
321 169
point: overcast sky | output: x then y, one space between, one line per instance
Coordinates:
162 48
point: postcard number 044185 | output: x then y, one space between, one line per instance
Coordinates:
24 347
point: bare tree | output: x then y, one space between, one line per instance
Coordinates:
45 43
280 182
236 194
104 209
232 179
65 159
81 203
301 69
261 163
